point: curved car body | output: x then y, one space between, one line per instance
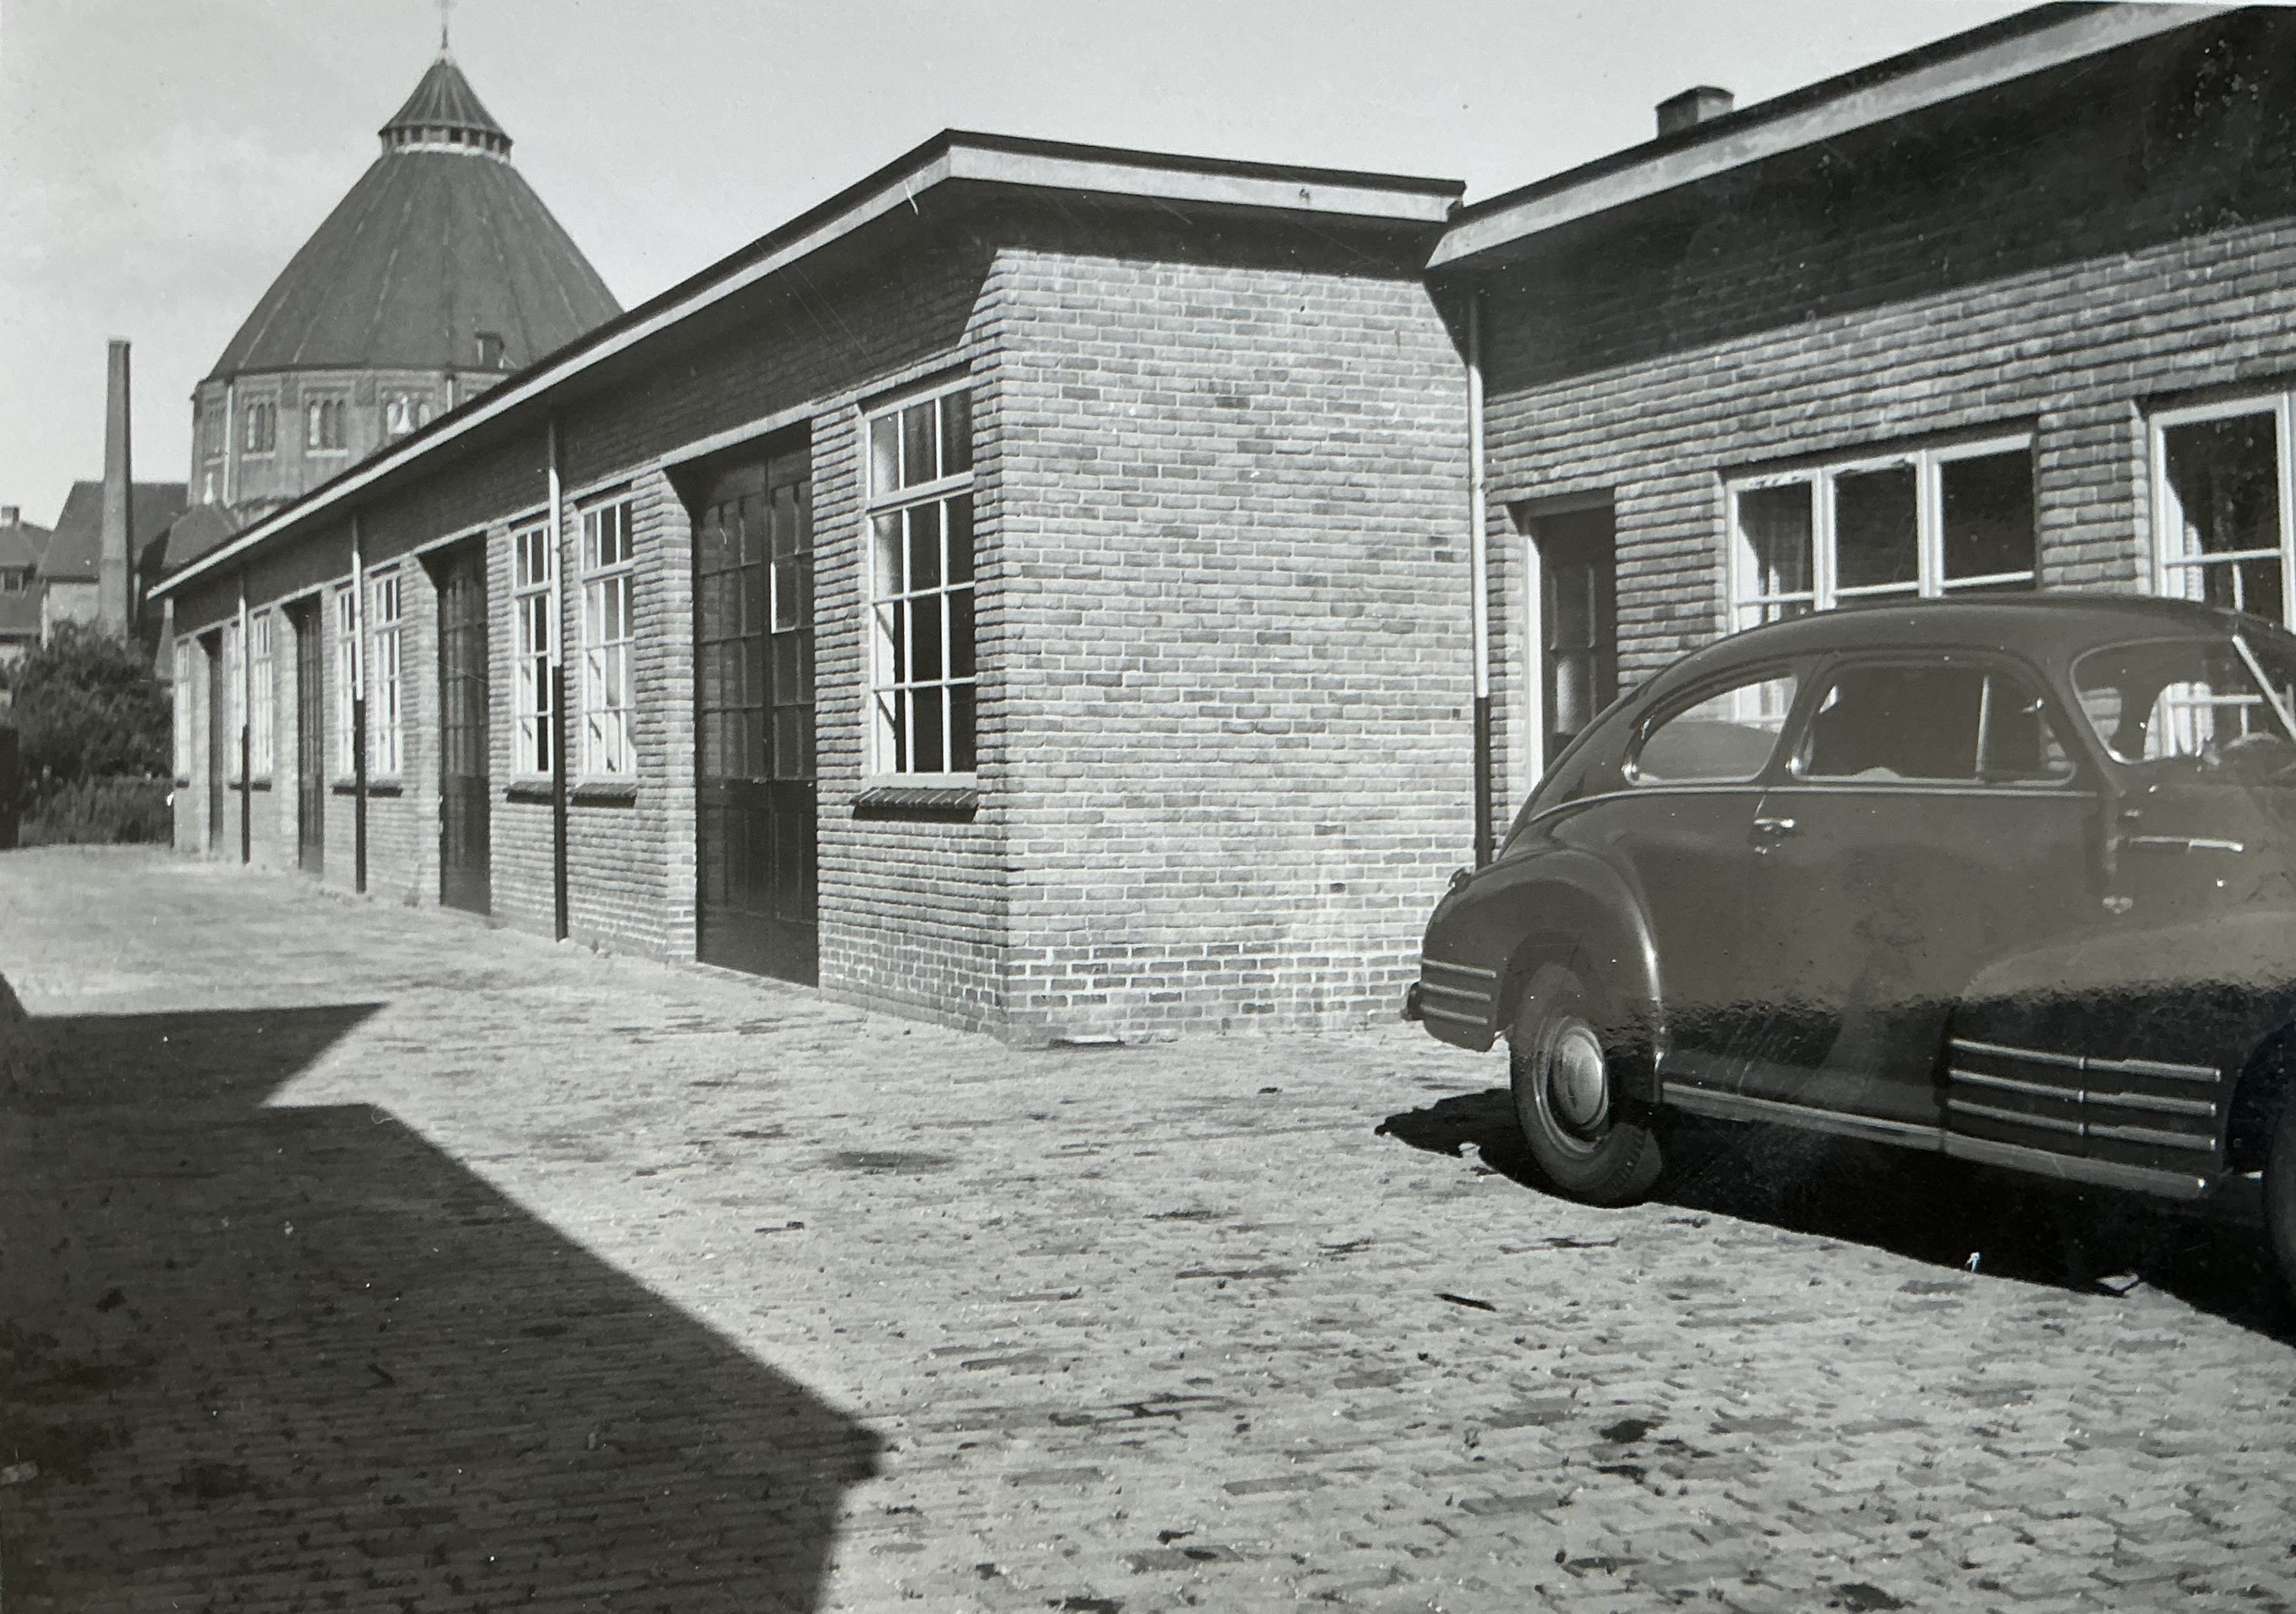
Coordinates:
2010 880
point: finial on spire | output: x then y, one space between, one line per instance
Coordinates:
444 7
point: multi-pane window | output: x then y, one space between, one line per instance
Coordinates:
324 420
262 426
1928 522
183 725
262 690
2221 507
405 411
921 677
383 709
347 681
534 571
607 581
234 696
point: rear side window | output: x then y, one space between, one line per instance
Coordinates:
1726 737
1954 723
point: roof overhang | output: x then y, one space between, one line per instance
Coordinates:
2034 42
990 161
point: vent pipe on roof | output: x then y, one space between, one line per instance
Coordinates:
1701 103
113 606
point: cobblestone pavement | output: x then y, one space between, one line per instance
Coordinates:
358 1259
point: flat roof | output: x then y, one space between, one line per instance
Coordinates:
952 156
2031 42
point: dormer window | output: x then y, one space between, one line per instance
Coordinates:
491 355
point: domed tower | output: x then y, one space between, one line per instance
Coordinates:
437 275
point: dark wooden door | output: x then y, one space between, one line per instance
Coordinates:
310 744
753 640
219 743
464 878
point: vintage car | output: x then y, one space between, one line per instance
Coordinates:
2006 879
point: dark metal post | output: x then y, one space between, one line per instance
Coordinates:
558 792
246 795
358 793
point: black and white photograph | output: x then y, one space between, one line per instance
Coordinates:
993 806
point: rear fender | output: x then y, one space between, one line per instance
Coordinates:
1561 908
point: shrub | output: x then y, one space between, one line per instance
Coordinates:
103 812
88 706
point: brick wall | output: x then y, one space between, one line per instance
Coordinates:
2053 257
1228 619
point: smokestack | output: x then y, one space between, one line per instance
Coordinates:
1693 106
113 602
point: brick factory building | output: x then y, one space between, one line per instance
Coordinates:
1026 590
1040 588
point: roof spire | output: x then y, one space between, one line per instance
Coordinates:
443 114
444 7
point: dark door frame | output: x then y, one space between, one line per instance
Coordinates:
465 852
784 947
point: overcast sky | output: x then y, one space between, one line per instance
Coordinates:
161 159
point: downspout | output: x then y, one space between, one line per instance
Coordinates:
358 710
246 723
1479 565
557 689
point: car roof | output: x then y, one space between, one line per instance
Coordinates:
2048 628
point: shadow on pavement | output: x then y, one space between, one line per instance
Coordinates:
1924 1207
299 1358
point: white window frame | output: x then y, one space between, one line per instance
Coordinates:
183 714
386 600
2172 571
262 711
234 699
315 406
608 638
347 680
534 632
886 709
1747 608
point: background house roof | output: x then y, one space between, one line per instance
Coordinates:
434 244
22 544
77 549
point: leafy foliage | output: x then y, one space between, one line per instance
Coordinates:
88 706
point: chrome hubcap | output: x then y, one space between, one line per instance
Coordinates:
1578 1081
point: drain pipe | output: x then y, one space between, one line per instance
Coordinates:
557 690
1479 567
358 710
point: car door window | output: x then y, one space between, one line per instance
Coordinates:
1938 722
1723 738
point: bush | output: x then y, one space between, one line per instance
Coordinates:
88 706
101 812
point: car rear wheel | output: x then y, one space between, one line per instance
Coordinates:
1581 1137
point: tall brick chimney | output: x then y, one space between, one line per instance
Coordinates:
115 605
1693 106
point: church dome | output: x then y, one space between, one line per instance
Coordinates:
441 258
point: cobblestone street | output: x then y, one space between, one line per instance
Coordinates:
354 1257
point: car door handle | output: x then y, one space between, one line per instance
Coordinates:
1773 829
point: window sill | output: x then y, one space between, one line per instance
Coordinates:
374 787
527 789
950 802
604 792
